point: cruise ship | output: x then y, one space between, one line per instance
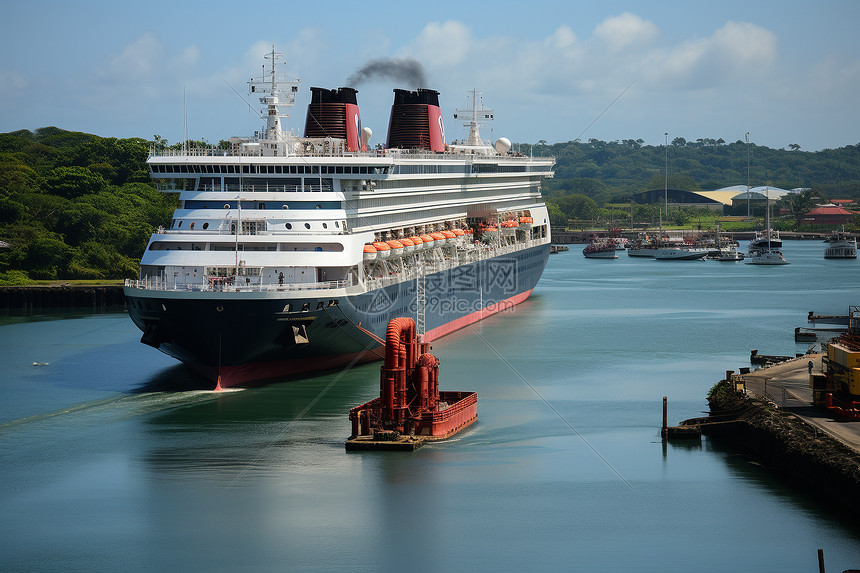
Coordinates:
289 254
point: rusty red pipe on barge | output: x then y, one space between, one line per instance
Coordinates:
410 403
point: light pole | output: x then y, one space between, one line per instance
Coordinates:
666 188
748 174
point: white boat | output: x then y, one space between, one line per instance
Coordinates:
843 247
730 253
764 251
680 254
767 257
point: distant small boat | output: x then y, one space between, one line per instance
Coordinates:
843 247
680 254
730 254
767 257
765 250
769 239
600 249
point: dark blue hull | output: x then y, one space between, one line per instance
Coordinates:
240 338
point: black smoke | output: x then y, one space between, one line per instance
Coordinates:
405 71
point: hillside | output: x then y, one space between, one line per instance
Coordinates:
79 206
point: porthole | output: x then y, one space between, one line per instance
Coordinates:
219 308
289 225
307 225
337 224
205 226
285 206
325 225
180 225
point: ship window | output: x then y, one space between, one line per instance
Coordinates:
192 225
205 226
180 225
307 225
337 224
285 206
288 225
325 225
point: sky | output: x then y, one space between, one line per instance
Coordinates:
787 72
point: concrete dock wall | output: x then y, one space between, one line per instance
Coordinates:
61 296
813 460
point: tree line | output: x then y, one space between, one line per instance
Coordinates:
75 205
79 206
612 172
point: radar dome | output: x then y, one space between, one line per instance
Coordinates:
366 134
503 145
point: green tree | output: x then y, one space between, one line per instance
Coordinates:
71 182
798 204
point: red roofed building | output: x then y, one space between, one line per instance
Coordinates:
829 215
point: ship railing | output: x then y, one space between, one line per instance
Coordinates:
334 151
164 284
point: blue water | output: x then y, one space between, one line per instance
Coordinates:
114 458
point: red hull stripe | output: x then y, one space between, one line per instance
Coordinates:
474 317
236 375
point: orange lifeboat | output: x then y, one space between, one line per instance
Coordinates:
418 242
396 248
459 236
370 253
429 242
509 227
383 251
439 238
408 246
526 221
450 238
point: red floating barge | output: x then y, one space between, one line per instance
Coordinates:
410 409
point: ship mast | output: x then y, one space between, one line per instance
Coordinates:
276 92
472 118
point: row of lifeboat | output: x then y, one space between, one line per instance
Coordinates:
406 246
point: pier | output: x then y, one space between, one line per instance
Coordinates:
768 414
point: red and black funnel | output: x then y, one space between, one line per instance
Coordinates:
416 121
334 113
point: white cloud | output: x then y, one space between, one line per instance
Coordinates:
12 82
562 39
738 51
626 30
441 45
